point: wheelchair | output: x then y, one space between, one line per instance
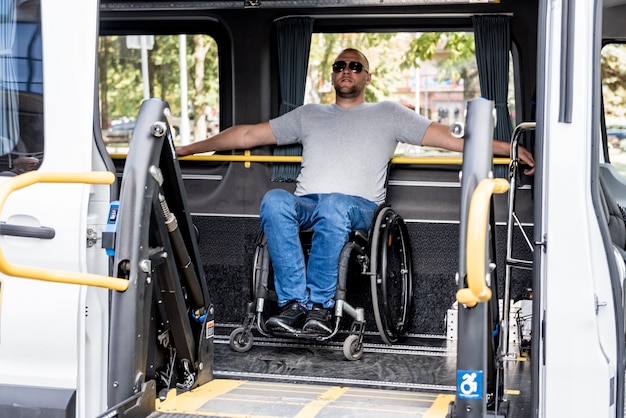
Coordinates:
382 254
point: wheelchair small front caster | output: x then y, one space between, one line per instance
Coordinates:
240 340
352 348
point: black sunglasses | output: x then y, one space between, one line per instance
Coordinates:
354 66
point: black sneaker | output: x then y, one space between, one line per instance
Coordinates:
290 317
318 321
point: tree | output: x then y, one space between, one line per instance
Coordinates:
458 63
613 67
121 84
206 87
119 79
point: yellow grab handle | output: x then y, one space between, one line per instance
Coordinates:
30 178
478 216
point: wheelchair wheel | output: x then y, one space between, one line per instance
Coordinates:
240 340
260 269
391 285
352 348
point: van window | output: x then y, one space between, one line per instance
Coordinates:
134 68
21 89
613 67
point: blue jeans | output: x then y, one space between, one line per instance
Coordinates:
331 217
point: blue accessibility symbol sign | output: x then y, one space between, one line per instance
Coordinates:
469 384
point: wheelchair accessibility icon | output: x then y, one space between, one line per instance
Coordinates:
469 384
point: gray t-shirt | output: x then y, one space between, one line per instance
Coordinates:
348 150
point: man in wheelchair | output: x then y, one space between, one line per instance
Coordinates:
334 195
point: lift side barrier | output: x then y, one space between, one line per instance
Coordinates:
162 326
478 378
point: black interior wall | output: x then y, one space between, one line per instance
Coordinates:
227 248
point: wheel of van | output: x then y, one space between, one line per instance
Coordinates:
391 285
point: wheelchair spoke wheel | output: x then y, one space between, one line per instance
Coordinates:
261 270
391 285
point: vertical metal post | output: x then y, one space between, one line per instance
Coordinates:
472 322
145 74
185 130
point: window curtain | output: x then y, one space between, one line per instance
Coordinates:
492 38
294 44
9 101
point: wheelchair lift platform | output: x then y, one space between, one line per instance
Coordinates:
268 399
282 377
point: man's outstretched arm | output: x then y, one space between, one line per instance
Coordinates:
438 135
235 137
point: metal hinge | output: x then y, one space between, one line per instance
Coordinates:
543 243
599 303
92 237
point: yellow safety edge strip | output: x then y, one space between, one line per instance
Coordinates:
439 407
478 216
246 158
314 407
190 402
59 276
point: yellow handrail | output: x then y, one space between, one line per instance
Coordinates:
297 159
477 290
59 276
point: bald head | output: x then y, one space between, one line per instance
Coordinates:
351 51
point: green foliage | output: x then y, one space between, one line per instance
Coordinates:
613 67
119 78
121 81
459 47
